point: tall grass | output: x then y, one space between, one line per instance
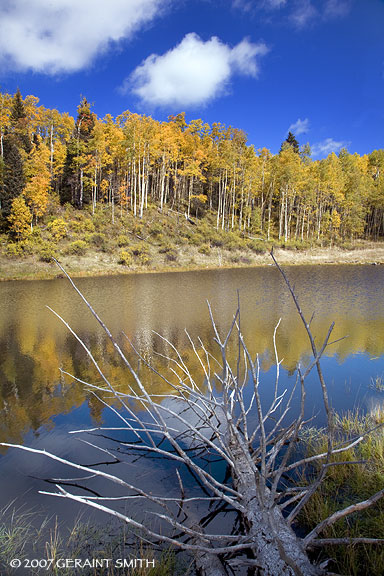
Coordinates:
19 538
347 484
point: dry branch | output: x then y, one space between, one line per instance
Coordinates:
194 426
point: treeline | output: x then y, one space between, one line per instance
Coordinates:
134 161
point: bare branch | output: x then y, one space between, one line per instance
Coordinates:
341 514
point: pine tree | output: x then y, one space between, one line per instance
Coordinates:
18 119
74 189
291 141
85 122
13 176
18 109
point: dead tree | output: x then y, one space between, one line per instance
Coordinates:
221 415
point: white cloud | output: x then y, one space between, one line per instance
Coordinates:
303 13
328 146
248 5
299 127
336 8
52 36
194 72
275 3
245 5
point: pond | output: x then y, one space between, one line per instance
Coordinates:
39 405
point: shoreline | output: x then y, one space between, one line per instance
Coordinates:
98 264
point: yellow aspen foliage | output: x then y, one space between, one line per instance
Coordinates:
336 220
20 219
36 191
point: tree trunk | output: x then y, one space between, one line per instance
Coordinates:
276 548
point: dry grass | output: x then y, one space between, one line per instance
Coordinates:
19 538
188 257
348 484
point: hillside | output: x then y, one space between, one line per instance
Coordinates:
134 193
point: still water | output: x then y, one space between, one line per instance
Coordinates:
38 406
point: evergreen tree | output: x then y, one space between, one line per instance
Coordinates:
18 110
13 176
85 122
74 188
18 119
291 141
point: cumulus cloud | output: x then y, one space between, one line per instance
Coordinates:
65 35
328 146
194 72
299 127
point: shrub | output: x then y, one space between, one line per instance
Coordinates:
139 249
160 237
35 235
171 256
141 252
217 239
99 240
238 259
82 225
233 242
205 249
144 259
197 239
137 228
101 218
346 245
156 228
165 248
123 240
258 246
78 248
125 258
14 249
58 229
28 247
47 251
245 260
303 245
291 245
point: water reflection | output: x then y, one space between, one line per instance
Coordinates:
34 344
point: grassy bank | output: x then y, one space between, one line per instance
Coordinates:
346 485
52 544
94 263
95 244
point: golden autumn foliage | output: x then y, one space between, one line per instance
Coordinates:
20 219
134 162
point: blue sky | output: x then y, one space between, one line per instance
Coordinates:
265 66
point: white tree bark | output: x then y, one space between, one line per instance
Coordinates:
257 445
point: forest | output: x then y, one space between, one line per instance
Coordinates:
51 162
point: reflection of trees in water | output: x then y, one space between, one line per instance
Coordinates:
34 345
